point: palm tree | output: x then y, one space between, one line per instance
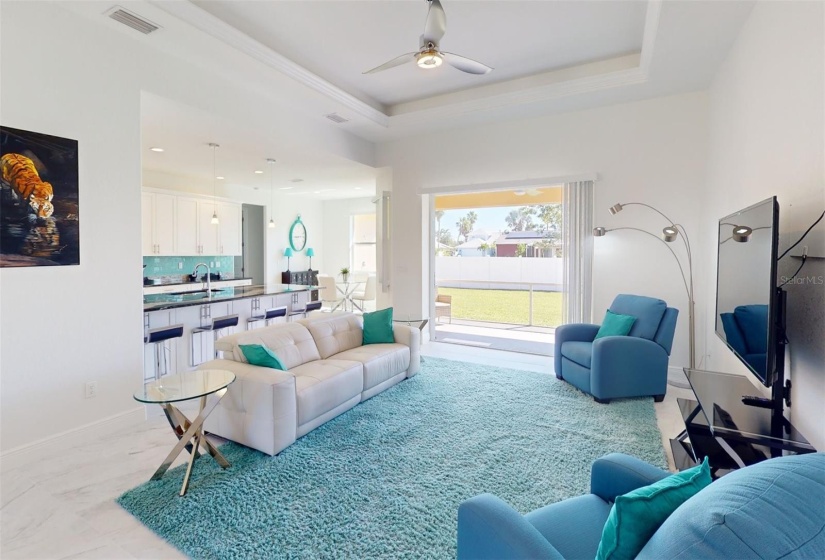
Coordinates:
438 215
485 249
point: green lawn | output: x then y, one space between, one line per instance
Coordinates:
505 306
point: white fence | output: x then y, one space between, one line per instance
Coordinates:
500 273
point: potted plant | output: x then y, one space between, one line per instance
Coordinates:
344 273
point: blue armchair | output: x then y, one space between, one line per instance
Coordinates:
769 510
619 366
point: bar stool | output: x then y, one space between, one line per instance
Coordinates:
159 337
310 306
268 316
216 327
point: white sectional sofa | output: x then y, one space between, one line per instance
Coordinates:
329 372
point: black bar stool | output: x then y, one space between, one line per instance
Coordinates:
310 306
218 325
268 316
159 338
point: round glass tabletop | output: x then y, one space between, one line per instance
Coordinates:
185 386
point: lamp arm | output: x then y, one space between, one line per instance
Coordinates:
672 252
649 206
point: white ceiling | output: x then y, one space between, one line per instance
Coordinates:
184 133
338 40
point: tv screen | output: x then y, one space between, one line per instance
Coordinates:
746 286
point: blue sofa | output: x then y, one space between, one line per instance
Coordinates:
773 509
619 366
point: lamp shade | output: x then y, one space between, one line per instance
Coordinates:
288 252
599 232
669 233
310 252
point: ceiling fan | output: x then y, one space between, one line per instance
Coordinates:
429 55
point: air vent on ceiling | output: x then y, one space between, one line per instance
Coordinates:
336 118
296 180
132 20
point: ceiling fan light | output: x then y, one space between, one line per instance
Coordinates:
429 59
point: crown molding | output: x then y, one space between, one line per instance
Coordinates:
209 24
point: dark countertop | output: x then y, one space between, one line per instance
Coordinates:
190 282
157 302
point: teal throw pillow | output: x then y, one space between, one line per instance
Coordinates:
258 355
378 327
635 516
615 324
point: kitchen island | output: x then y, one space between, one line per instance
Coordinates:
197 309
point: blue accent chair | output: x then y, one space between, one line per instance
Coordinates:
746 330
773 509
619 366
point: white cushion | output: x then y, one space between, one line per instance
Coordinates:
323 385
335 334
381 361
291 342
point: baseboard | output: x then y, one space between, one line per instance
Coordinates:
85 433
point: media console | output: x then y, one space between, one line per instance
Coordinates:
728 426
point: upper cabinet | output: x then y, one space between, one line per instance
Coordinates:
182 226
157 223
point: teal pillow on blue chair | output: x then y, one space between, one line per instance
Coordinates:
637 515
378 327
258 355
615 324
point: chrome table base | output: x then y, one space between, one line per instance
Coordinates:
190 437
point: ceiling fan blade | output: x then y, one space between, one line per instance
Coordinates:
397 61
466 64
436 24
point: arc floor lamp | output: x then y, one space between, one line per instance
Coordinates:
669 235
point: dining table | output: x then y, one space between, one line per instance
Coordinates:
347 288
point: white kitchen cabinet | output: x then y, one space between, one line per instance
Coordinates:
229 230
157 223
186 227
207 231
182 226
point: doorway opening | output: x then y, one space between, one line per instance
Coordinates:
251 262
498 269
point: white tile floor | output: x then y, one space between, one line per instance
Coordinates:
58 502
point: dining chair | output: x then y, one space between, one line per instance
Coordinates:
367 293
330 296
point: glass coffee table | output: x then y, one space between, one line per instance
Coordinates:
186 386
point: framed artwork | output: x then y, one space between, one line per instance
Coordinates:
39 203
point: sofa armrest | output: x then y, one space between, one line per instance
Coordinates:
489 528
410 337
572 332
616 474
627 366
259 409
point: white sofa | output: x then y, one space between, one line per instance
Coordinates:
329 372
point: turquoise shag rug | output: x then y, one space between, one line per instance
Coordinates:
385 479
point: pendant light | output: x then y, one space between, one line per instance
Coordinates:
215 220
271 162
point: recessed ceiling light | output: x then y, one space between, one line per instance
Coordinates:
317 192
258 171
357 188
156 149
219 178
286 188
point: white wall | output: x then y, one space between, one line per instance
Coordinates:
651 151
63 326
336 240
766 138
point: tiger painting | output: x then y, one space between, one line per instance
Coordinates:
22 176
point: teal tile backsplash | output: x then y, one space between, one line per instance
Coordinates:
168 266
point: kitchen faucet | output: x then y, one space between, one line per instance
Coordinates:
208 277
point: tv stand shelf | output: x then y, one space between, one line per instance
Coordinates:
718 425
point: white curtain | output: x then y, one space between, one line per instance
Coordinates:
577 240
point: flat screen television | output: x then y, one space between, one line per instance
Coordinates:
747 299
